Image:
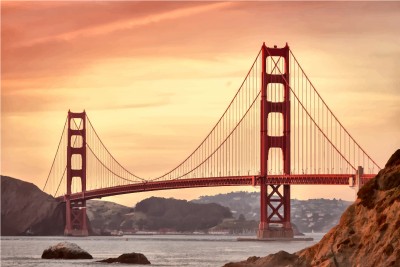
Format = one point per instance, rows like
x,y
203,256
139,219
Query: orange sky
x,y
154,77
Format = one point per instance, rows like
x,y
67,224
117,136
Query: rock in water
x,y
65,250
367,235
131,258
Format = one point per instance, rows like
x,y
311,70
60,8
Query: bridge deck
x,y
306,179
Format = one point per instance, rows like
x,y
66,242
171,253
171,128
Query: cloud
x,y
58,40
146,104
130,23
46,20
30,101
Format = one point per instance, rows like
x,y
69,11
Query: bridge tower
x,y
76,224
277,201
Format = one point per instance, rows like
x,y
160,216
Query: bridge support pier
x,y
275,212
76,224
75,211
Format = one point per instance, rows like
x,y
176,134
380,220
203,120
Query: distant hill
x,y
105,216
180,214
25,209
318,215
155,214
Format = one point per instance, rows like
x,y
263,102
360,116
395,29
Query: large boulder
x,y
65,250
130,258
367,235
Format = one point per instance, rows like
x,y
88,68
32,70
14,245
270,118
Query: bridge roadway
x,y
300,179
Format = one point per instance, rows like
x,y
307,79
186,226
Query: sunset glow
x,y
154,77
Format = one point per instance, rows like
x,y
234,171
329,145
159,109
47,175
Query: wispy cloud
x,y
26,101
58,40
130,23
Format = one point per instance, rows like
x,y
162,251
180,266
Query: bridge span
x,y
334,179
276,132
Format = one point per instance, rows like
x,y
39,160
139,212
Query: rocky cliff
x,y
368,233
25,209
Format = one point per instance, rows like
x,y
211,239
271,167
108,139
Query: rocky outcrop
x,y
25,209
130,258
65,250
368,233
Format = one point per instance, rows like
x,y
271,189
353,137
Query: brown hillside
x,y
24,206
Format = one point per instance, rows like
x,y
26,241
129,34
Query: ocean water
x,y
161,250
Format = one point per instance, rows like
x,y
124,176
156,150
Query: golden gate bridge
x,y
276,132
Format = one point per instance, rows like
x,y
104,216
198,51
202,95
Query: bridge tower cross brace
x,y
276,200
76,223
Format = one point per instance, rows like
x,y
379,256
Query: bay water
x,y
161,250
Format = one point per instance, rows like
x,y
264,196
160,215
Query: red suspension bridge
x,y
276,132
